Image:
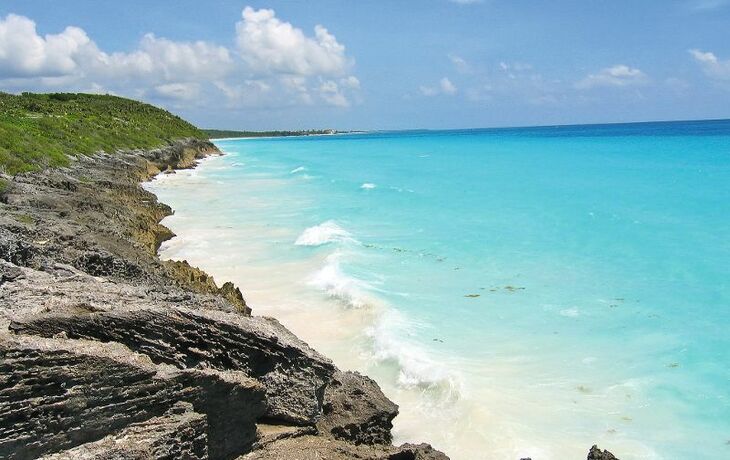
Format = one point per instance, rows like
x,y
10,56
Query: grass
x,y
43,130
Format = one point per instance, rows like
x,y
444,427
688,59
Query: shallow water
x,y
519,292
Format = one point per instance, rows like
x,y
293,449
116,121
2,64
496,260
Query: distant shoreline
x,y
220,134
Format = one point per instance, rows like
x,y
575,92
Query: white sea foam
x,y
368,186
296,170
326,232
352,292
417,369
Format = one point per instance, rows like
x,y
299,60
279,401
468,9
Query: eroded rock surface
x,y
356,410
179,433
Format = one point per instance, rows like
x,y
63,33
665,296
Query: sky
x,y
380,64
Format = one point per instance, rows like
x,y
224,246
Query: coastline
x,y
107,298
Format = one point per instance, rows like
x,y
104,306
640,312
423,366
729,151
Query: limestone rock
x,y
356,410
293,374
56,394
309,447
178,434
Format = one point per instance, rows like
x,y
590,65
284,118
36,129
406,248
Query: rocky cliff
x,y
106,352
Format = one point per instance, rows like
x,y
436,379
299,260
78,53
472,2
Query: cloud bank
x,y
273,63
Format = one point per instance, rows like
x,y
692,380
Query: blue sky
x,y
380,64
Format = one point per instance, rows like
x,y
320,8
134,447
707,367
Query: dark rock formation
x,y
108,353
57,394
356,410
179,433
293,374
309,447
598,454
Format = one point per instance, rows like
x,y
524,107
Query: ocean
x,y
518,292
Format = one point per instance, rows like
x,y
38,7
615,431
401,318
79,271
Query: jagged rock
x,y
105,264
56,394
267,434
598,454
309,447
356,410
232,402
178,434
294,375
197,280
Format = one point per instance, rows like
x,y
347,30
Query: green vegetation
x,y
25,219
220,133
42,130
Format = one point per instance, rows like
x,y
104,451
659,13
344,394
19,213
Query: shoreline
x,y
111,288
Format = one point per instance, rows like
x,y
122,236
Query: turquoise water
x,y
517,291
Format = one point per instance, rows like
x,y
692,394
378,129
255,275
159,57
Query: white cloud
x,y
460,64
72,54
330,92
270,45
616,76
275,64
178,91
445,86
24,53
711,65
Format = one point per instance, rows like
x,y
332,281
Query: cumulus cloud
x,y
711,65
24,53
616,76
270,54
268,44
445,86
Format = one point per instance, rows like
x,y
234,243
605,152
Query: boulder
x,y
356,410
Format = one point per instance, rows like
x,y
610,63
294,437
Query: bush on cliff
x,y
42,130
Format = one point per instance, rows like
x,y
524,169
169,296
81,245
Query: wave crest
x,y
416,367
326,232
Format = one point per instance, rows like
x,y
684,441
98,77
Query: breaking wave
x,y
326,232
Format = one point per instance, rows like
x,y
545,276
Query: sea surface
x,y
518,292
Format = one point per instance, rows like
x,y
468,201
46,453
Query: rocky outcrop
x,y
57,394
179,433
309,447
598,454
356,410
293,375
107,352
